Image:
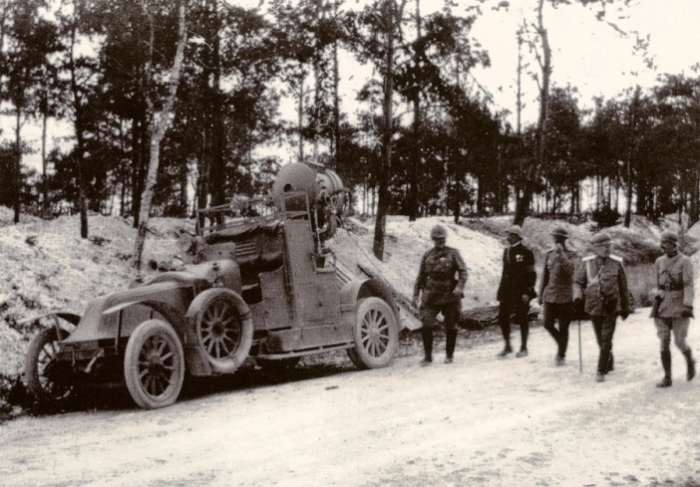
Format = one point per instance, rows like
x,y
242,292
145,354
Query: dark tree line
x,y
420,139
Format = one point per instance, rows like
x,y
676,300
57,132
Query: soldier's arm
x,y
503,276
462,271
580,280
565,262
545,276
688,282
530,272
420,280
624,290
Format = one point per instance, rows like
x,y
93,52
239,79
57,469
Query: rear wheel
x,y
50,382
376,334
154,365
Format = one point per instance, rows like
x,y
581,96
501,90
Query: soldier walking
x,y
601,283
441,279
556,291
673,304
516,289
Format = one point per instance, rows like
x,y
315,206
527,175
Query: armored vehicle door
x,y
314,290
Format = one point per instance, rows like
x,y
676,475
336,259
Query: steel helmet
x,y
669,236
515,230
438,231
560,231
602,238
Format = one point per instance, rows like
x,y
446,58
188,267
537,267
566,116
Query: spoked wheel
x,y
154,365
223,334
50,382
376,334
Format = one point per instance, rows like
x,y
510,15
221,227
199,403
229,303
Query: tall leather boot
x,y
611,364
427,345
666,362
451,339
691,364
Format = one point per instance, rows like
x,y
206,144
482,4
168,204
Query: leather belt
x,y
672,287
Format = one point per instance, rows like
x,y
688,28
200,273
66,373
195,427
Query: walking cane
x,y
580,359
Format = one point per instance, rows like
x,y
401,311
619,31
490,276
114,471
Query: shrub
x,y
605,217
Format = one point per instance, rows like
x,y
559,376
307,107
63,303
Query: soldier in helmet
x,y
600,285
673,304
441,279
516,289
556,291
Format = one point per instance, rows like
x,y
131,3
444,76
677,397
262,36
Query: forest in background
x,y
202,81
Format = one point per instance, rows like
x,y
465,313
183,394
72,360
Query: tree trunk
x,y
79,136
694,195
385,166
417,146
218,161
157,128
536,168
300,117
336,96
631,144
44,123
17,180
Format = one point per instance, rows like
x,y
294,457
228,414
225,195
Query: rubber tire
x,y
201,305
139,393
33,375
359,354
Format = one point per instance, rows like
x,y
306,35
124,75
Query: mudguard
x,y
195,358
355,290
71,318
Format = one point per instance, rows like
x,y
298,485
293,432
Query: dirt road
x,y
480,421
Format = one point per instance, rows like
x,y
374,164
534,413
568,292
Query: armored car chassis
x,y
261,287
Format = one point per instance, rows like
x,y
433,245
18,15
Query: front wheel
x,y
154,365
376,334
49,381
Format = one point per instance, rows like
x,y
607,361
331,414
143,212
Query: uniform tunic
x,y
519,274
602,282
599,278
442,272
558,277
518,279
556,294
675,290
674,279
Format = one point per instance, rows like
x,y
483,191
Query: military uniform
x,y
518,279
672,309
441,278
556,295
602,283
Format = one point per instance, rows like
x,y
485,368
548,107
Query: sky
x,y
587,54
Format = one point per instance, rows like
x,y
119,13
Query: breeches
x,y
562,313
679,327
520,309
604,327
450,311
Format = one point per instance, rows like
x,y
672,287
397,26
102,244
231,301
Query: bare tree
x,y
159,124
535,169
